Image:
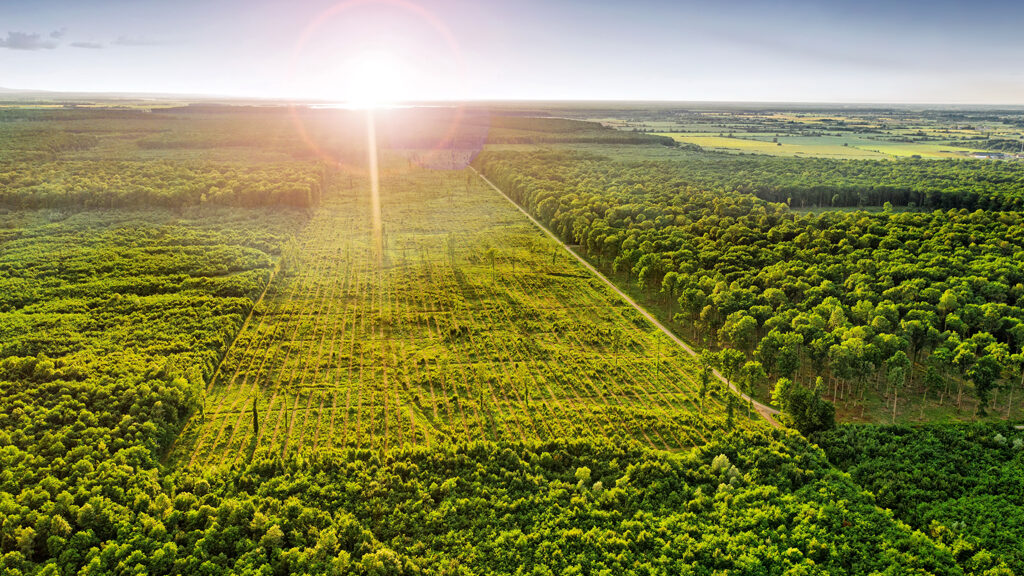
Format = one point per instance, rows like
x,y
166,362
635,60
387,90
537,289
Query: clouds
x,y
135,41
34,41
26,41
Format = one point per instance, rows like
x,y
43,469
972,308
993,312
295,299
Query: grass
x,y
825,146
787,146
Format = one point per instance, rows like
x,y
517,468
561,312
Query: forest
x,y
865,301
939,478
111,184
213,362
755,503
823,183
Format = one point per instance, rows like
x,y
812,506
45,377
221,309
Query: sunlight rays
x,y
374,171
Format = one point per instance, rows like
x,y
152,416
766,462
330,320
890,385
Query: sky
x,y
866,51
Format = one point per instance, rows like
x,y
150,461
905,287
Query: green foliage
x,y
120,184
110,323
752,501
810,413
828,183
838,293
514,129
113,324
951,481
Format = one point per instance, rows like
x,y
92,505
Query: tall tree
x,y
984,373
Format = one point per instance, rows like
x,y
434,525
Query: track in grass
x,y
471,324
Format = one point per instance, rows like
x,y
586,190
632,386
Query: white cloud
x,y
26,41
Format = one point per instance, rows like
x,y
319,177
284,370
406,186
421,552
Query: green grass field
x,y
825,146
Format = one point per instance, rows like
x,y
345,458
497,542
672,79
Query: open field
x,y
473,325
824,146
824,132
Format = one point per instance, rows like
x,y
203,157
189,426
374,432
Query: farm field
x,y
808,131
821,147
472,325
825,146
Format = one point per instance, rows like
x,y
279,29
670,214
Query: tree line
x,y
169,184
831,183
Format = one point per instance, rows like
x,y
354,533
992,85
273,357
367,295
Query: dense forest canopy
x,y
171,184
827,183
857,297
964,478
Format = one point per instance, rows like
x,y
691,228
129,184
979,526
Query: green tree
x,y
752,376
732,360
255,419
739,331
984,373
781,393
809,411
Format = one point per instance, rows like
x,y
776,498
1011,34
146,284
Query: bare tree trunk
x,y
895,400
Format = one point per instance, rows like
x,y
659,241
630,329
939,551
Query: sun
x,y
372,79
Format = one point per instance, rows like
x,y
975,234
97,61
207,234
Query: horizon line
x,y
11,94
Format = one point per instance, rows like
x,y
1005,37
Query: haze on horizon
x,y
942,52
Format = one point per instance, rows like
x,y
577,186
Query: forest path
x,y
766,412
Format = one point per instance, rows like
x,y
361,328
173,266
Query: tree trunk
x,y
895,400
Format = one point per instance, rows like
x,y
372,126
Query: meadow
x,y
814,146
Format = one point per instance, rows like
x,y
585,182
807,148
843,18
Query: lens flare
x,y
372,79
375,212
377,73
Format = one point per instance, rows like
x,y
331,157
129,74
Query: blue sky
x,y
928,52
